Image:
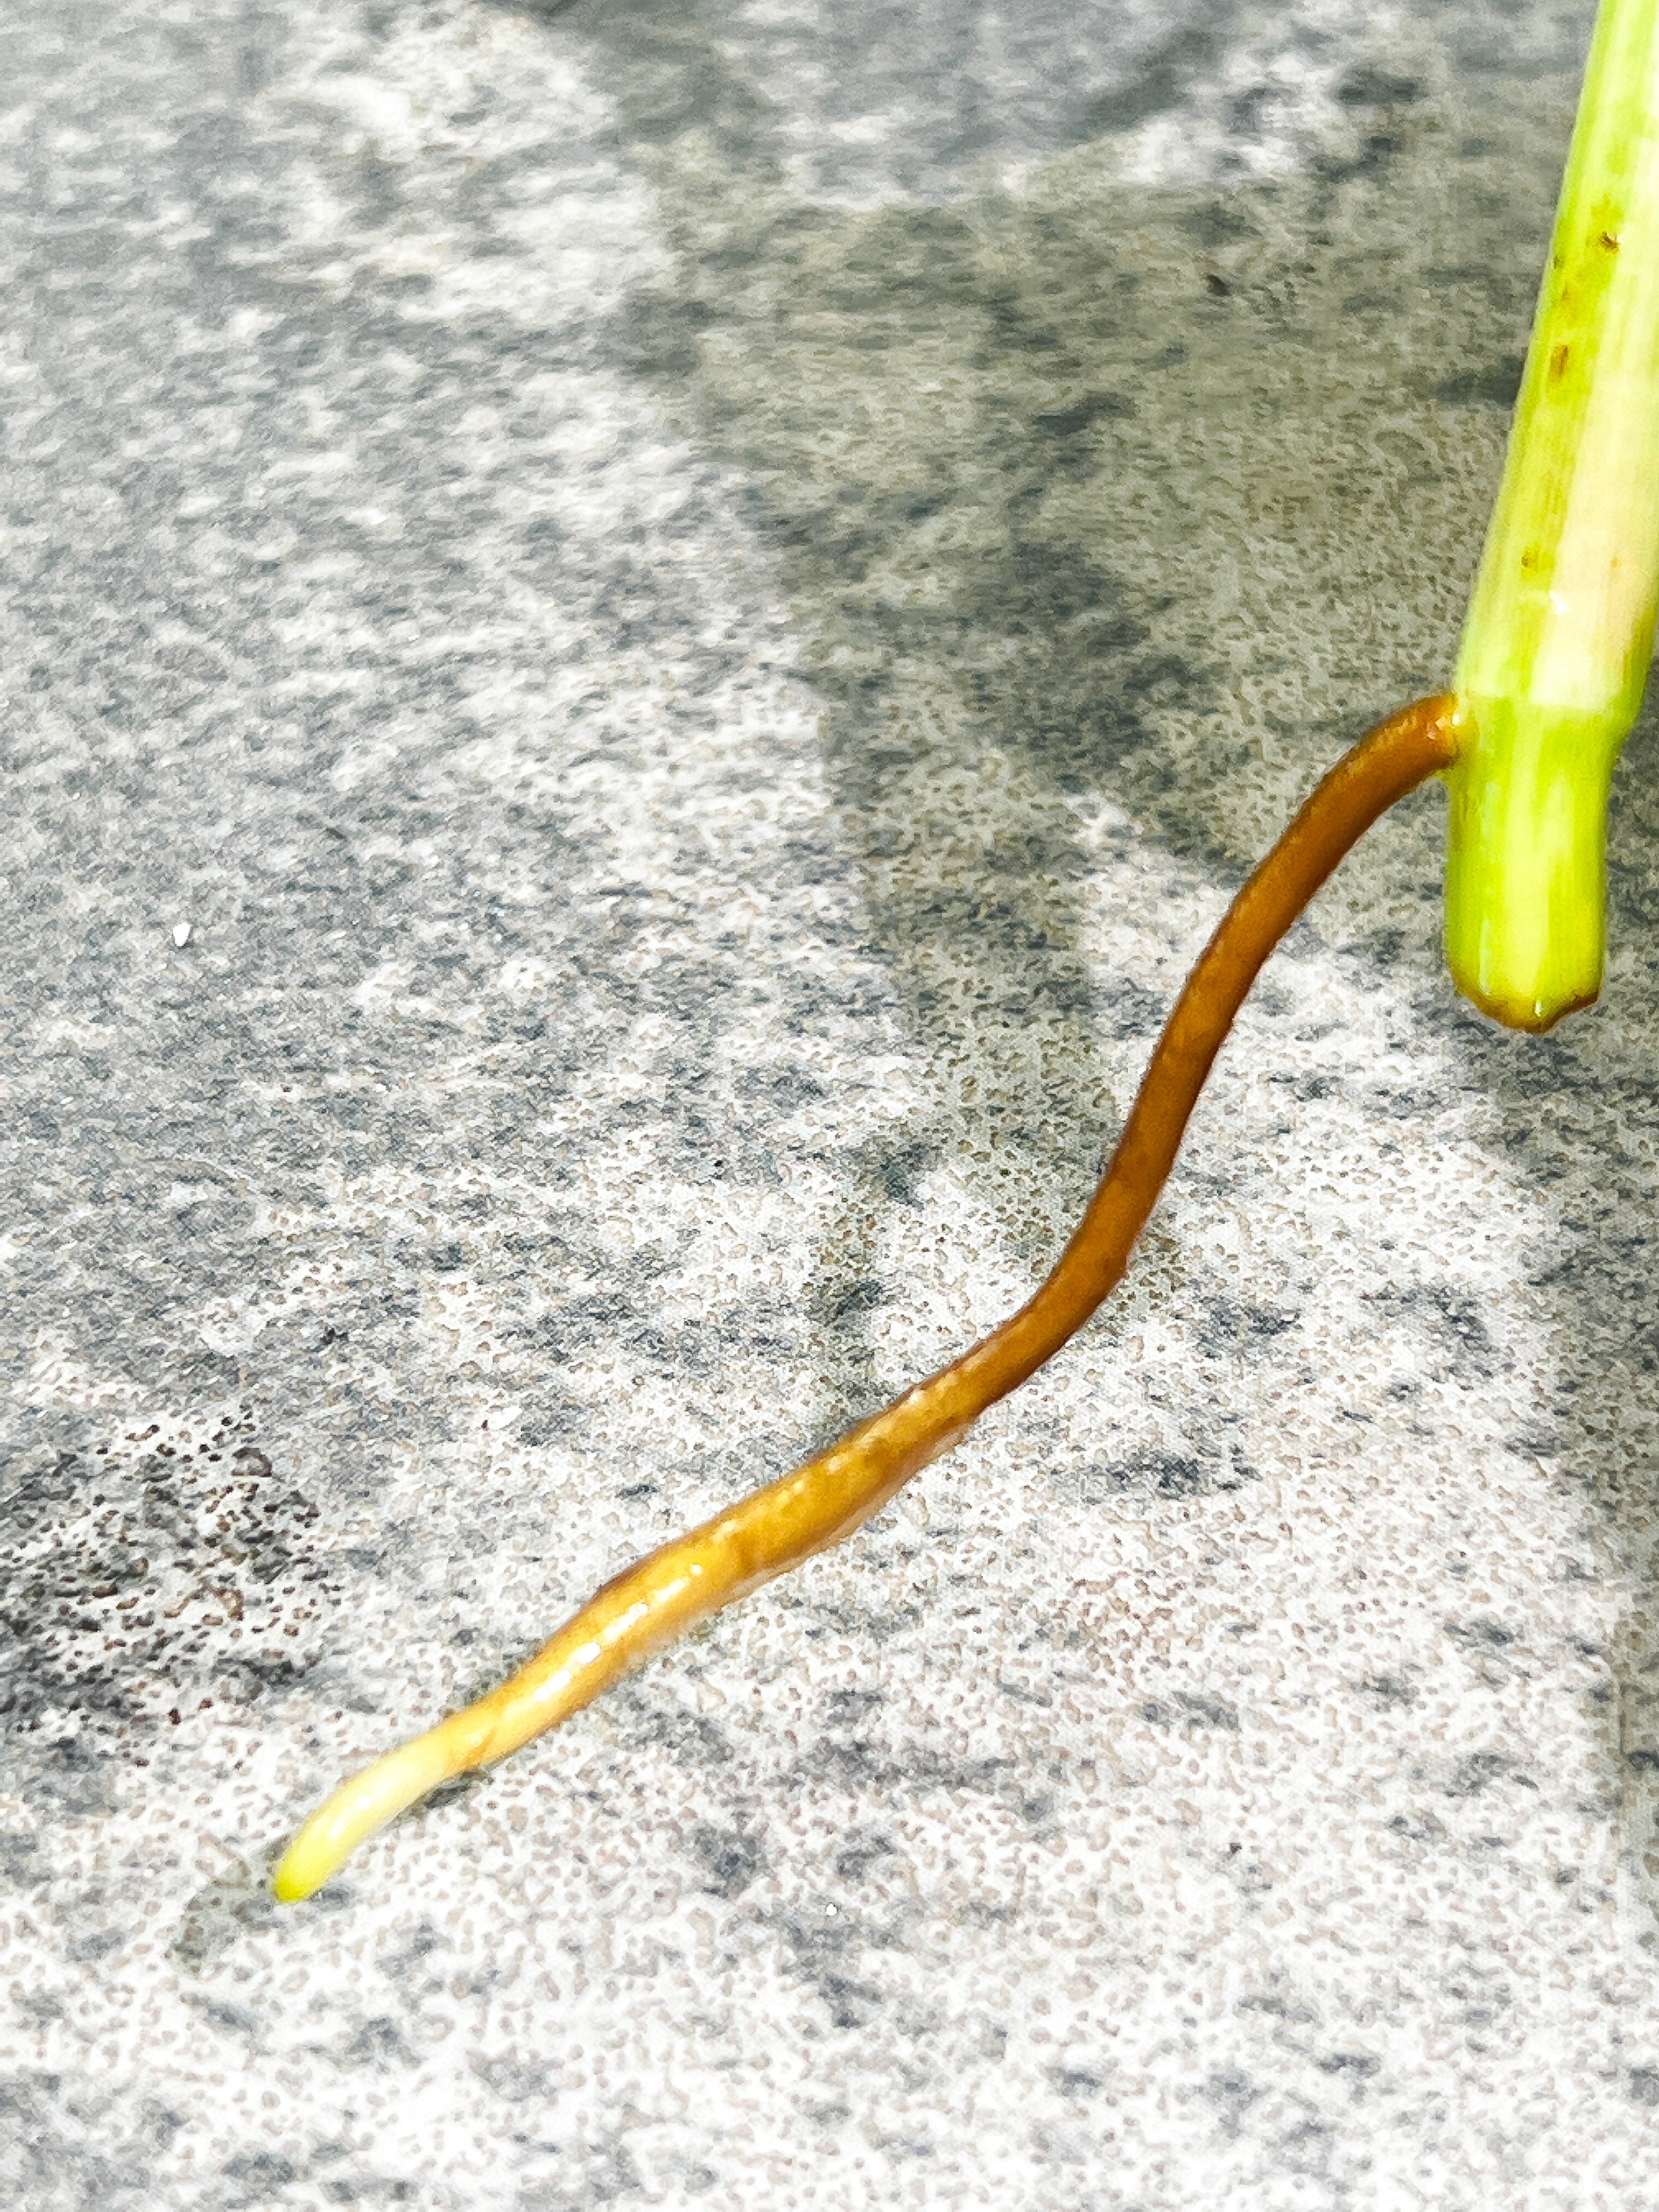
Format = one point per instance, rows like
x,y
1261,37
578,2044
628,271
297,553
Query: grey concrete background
x,y
638,643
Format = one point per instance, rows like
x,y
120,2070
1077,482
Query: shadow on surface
x,y
1079,494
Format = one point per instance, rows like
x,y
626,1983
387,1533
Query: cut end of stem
x,y
1532,1016
1525,859
1555,650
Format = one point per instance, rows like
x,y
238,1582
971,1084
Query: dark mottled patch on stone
x,y
379,2044
1232,2092
592,2174
1158,82
875,1624
515,2080
1217,223
228,2019
66,2143
1495,384
861,1852
1150,1471
1418,1828
1479,1634
1230,2085
846,1708
1278,2006
658,332
860,1298
1025,1694
1477,1772
731,1858
1370,86
411,1949
1247,1874
1192,1707
256,2175
1075,2082
1126,1009
1075,421
459,1786
1304,1089
858,1763
1361,2063
117,1578
822,1947
1482,1996
218,1915
100,1944
1373,160
20,1861
1388,1690
898,1165
648,1717
1451,1327
1233,1325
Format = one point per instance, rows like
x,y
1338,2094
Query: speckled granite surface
x,y
637,644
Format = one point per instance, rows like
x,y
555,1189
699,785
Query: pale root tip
x,y
360,1806
303,1868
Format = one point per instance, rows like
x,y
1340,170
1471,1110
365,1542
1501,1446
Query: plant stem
x,y
1559,632
824,1501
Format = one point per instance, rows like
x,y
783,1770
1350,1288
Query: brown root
x,y
820,1502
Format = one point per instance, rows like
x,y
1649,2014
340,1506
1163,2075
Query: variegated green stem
x,y
1559,632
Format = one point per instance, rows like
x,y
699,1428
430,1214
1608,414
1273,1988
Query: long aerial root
x,y
657,1599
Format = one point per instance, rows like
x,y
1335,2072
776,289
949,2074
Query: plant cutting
x,y
1555,650
1547,682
